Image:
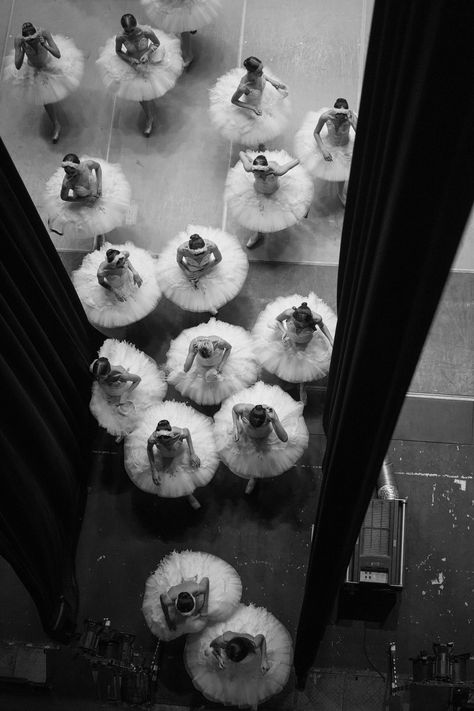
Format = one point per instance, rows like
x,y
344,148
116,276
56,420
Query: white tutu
x,y
307,150
53,82
102,216
243,125
261,458
146,81
295,365
216,288
268,213
241,684
151,388
180,479
100,304
181,15
225,591
201,383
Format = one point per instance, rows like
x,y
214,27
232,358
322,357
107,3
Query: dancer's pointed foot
x,y
254,240
56,132
303,395
194,502
213,312
250,486
148,127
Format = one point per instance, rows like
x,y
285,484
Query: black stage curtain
x,y
47,346
409,197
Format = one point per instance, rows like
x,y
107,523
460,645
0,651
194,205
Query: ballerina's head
x,y
71,163
258,415
238,648
254,66
185,603
260,164
303,316
196,244
29,31
100,368
128,22
116,258
206,348
164,430
344,106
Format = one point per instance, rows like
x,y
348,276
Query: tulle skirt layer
x,y
295,365
90,218
225,591
54,81
203,384
181,15
142,82
241,684
307,150
243,125
215,289
261,458
180,478
269,213
121,420
101,305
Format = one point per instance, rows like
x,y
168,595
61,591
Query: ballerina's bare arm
x,y
274,83
186,435
246,162
19,45
102,273
203,589
119,43
136,276
93,165
243,90
167,605
155,42
352,118
276,424
239,410
49,44
151,453
261,644
225,347
192,353
325,331
316,133
281,318
282,169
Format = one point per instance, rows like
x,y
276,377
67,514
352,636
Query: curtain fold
x,y
409,198
47,345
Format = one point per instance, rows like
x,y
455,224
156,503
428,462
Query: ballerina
x,y
202,268
263,113
188,591
122,392
329,159
161,458
295,342
208,368
117,286
182,17
243,661
259,200
140,64
53,69
257,440
87,196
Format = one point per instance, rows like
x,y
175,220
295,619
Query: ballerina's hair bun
x,y
238,648
252,63
128,21
196,242
28,28
163,425
100,366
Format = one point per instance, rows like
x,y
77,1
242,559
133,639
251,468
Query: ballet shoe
x,y
213,312
148,128
253,241
56,133
250,486
194,504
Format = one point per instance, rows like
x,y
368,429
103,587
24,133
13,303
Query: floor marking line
x,y
107,153
433,475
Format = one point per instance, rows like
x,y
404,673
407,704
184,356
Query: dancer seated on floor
x,y
298,326
252,86
168,441
257,422
188,599
118,275
115,382
212,353
197,257
236,647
